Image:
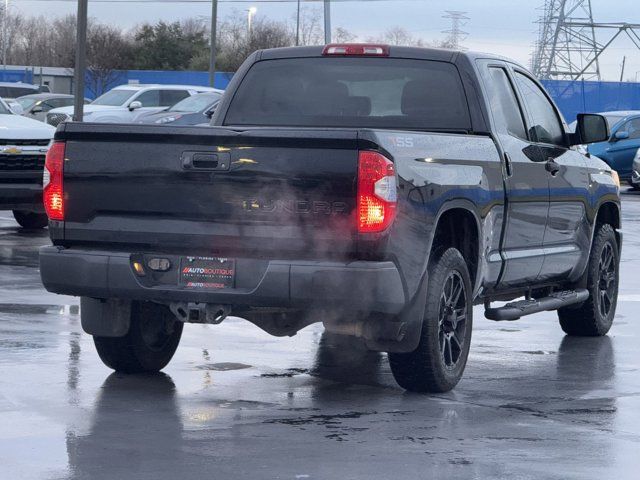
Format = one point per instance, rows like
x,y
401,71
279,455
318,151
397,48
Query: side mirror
x,y
135,105
16,108
37,109
590,128
621,135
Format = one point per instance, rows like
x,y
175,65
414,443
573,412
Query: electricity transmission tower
x,y
455,35
567,48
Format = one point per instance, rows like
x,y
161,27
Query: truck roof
x,y
418,53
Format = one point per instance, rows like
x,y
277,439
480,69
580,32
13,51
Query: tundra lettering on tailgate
x,y
294,206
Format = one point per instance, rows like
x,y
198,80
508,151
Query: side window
x,y
632,127
504,104
150,98
168,98
545,127
60,102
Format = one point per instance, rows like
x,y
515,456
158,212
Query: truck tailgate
x,y
211,190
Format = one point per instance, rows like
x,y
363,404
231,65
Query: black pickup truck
x,y
380,190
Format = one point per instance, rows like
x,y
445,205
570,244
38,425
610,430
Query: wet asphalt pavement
x,y
236,403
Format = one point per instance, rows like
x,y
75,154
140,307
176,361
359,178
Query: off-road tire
x,y
426,369
593,318
153,337
30,220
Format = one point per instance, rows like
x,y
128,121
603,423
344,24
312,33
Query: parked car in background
x,y
619,150
126,103
635,174
37,105
23,145
11,90
194,110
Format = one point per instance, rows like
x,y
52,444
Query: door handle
x,y
219,161
552,167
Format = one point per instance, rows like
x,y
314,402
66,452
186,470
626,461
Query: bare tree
x,y
42,41
342,35
398,36
108,53
311,26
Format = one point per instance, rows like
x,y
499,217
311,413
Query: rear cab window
x,y
351,92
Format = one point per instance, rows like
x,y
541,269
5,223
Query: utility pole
x,y
81,61
327,21
214,33
624,60
455,34
567,48
5,34
298,26
250,13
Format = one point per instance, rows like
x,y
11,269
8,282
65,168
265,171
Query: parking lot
x,y
237,403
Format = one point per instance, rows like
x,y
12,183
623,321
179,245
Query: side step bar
x,y
515,310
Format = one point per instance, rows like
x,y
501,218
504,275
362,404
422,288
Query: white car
x,y
23,146
124,104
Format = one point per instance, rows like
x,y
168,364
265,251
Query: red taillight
x,y
53,190
377,195
356,49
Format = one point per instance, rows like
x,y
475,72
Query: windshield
x,y
114,98
26,103
196,103
13,92
352,92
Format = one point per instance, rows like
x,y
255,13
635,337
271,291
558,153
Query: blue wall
x,y
163,77
581,97
25,76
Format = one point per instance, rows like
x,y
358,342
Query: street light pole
x,y
251,12
214,32
5,34
327,21
81,61
298,26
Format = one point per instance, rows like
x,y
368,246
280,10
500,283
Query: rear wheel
x,y
153,337
30,220
437,364
595,316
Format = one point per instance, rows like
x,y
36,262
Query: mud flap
x,y
105,318
409,321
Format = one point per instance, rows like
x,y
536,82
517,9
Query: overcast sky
x,y
505,27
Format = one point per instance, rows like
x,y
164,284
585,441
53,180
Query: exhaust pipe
x,y
369,329
207,313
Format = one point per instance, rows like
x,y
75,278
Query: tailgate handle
x,y
206,161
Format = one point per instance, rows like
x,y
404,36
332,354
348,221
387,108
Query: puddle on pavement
x,y
290,372
26,309
224,366
537,352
